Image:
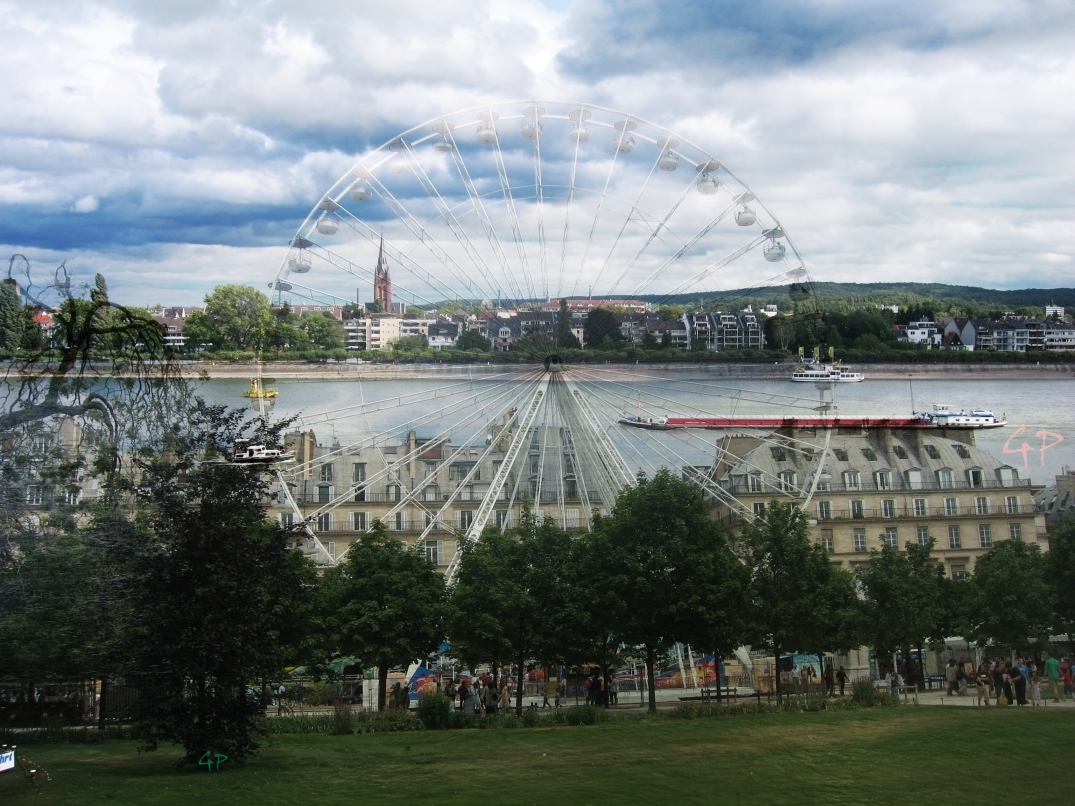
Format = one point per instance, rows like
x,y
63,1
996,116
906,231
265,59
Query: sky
x,y
173,146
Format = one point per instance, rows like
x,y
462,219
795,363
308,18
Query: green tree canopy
x,y
601,328
236,317
323,330
513,596
1060,573
801,602
659,571
473,340
384,605
1012,601
11,320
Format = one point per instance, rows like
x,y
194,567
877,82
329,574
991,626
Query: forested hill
x,y
904,294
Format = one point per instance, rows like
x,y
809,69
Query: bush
x,y
530,718
434,710
585,715
343,722
864,693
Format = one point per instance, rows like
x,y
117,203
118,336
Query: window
x,y
358,472
883,479
754,481
931,451
959,572
434,552
571,519
944,479
951,506
981,505
984,536
826,541
914,479
900,451
1015,531
324,522
430,493
331,549
824,510
779,454
870,454
33,495
962,451
921,508
460,470
360,494
1012,504
431,468
286,519
860,540
923,535
850,479
759,509
501,519
974,476
888,508
841,454
953,538
393,492
466,518
324,494
360,521
787,480
326,472
892,537
857,510
73,496
400,521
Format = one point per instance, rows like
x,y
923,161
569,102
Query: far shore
x,y
758,371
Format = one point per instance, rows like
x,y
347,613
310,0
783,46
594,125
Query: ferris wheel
x,y
485,219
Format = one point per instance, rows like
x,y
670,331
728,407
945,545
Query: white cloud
x,y
927,142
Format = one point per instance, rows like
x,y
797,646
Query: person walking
x,y
1018,683
985,682
1052,673
1035,689
828,678
951,675
505,695
841,678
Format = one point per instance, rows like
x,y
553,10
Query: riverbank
x,y
759,371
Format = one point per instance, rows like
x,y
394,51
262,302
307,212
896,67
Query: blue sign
x,y
7,760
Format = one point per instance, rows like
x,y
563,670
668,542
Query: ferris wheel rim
x,y
340,186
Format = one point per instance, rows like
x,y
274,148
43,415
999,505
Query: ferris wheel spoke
x,y
627,127
478,205
538,189
453,224
671,260
513,215
512,394
424,236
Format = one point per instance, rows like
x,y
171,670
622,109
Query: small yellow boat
x,y
258,390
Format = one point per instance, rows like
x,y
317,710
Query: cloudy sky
x,y
177,145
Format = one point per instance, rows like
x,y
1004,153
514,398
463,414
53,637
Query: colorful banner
x,y
422,682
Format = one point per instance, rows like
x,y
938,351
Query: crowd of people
x,y
1022,682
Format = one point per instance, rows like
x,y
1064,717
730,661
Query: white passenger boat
x,y
809,373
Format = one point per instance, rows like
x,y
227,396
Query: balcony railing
x,y
896,486
932,513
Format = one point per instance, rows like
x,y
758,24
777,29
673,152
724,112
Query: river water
x,y
1039,440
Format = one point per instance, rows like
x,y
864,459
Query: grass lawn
x,y
905,755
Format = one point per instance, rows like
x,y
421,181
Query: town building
x,y
443,334
1057,501
878,485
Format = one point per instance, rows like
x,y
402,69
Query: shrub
x,y
864,693
343,723
585,715
434,711
530,718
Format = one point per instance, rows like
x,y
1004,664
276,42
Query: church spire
x,y
382,280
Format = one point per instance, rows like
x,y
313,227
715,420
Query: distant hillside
x,y
905,294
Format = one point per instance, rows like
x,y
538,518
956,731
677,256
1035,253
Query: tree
x,y
512,596
323,330
670,313
801,602
220,599
903,598
410,344
1011,600
1060,573
565,339
666,339
649,341
385,605
236,317
473,340
601,327
11,321
659,571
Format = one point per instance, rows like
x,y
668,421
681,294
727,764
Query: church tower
x,y
382,280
